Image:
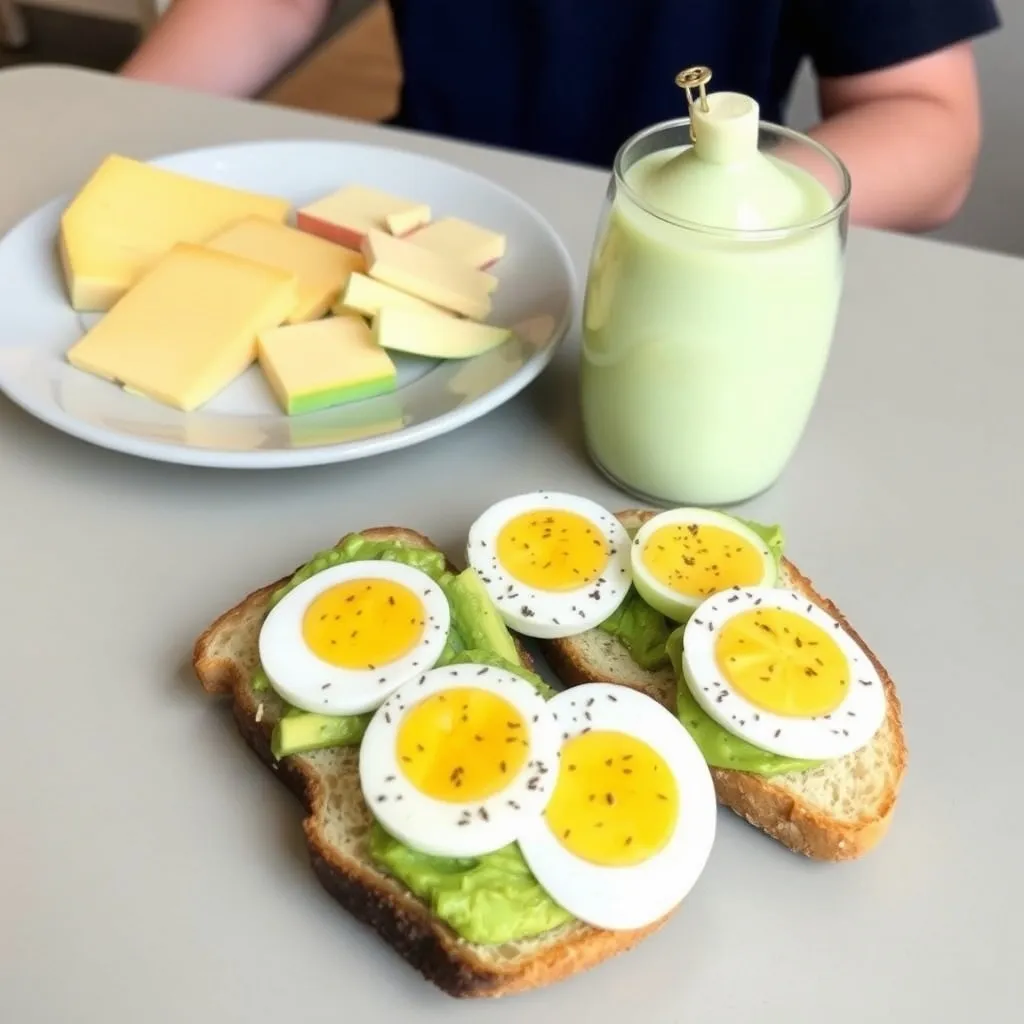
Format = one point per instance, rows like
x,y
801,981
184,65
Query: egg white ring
x,y
843,731
549,615
628,897
309,683
671,603
474,827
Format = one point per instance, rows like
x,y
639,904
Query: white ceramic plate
x,y
242,427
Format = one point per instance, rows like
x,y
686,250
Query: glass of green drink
x,y
711,302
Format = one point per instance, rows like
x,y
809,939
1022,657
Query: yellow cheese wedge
x,y
426,275
322,268
460,240
129,214
367,297
347,215
422,334
189,327
324,363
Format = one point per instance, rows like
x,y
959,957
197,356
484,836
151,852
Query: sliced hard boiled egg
x,y
459,759
631,822
683,556
776,670
554,564
344,640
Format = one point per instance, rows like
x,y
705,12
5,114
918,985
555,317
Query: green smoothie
x,y
703,351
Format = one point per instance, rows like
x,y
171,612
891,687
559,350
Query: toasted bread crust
x,y
402,920
766,806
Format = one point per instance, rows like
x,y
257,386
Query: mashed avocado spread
x,y
654,643
489,899
721,749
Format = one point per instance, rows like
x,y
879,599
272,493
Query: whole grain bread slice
x,y
836,811
338,822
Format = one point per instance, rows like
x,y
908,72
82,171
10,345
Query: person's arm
x,y
230,47
909,136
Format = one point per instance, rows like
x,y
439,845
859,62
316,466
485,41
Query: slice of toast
x,y
338,823
836,811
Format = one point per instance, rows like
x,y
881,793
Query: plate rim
x,y
317,455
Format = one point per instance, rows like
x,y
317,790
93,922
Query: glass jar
x,y
704,345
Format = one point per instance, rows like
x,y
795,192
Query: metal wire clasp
x,y
690,79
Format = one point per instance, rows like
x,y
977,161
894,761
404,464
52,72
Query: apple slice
x,y
460,240
426,334
348,215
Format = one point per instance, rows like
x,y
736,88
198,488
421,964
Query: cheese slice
x,y
422,334
189,327
460,240
367,297
322,268
324,363
420,272
129,214
349,214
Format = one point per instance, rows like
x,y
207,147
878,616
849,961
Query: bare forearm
x,y
910,173
230,47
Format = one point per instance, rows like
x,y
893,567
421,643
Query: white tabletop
x,y
151,870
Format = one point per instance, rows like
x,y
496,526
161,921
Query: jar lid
x,y
724,180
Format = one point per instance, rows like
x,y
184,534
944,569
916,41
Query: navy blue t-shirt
x,y
575,78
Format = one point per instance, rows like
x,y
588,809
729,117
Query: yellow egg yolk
x,y
783,663
698,560
551,549
615,802
462,744
364,623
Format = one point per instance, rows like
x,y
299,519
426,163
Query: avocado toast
x,y
475,926
829,795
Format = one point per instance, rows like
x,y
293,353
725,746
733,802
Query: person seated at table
x,y
572,79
